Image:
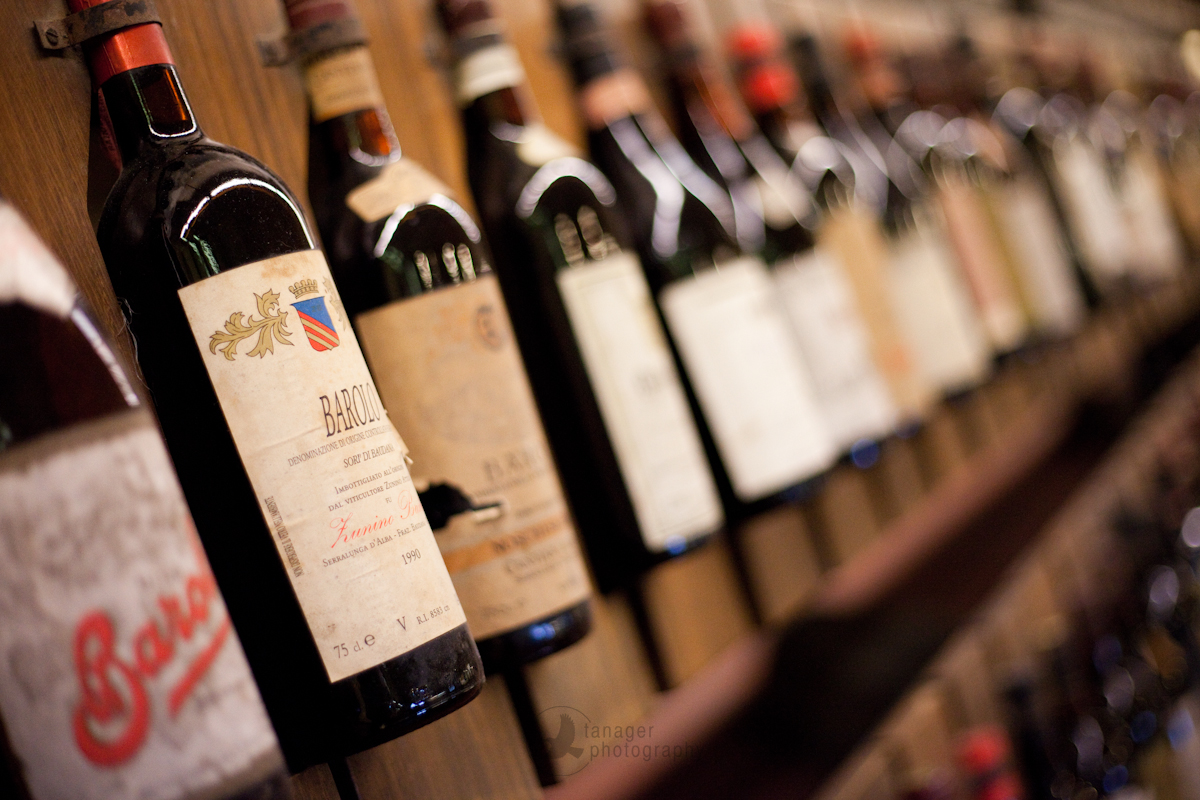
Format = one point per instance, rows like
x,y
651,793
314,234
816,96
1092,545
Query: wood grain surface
x,y
696,606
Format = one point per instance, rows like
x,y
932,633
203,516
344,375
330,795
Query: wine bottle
x,y
924,335
1158,243
293,471
955,189
754,393
776,217
1177,136
413,271
1016,196
120,674
611,398
1086,190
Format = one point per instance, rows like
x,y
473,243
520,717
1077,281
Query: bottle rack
x,y
716,625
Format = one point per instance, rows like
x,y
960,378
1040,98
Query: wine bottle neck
x,y
147,107
490,81
704,89
346,103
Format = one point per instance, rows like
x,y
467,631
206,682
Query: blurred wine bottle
x,y
960,159
753,391
1026,235
775,215
614,406
924,333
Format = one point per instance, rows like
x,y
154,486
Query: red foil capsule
x,y
114,53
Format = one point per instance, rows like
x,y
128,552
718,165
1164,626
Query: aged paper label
x,y
324,459
935,313
488,70
343,82
749,377
401,183
1031,228
120,675
641,399
982,262
853,236
452,380
820,305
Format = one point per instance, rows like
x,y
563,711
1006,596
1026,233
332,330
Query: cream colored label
x,y
453,382
852,234
820,305
324,459
1052,292
401,183
982,264
1092,210
749,377
641,399
1159,252
935,314
341,83
120,675
488,70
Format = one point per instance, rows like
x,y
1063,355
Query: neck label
x,y
342,82
488,70
401,183
324,460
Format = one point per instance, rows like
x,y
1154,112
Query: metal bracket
x,y
108,17
299,45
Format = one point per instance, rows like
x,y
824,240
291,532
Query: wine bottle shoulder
x,y
205,207
418,248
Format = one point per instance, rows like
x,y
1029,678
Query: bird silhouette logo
x,y
564,747
564,742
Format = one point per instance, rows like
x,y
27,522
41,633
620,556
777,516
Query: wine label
x,y
1092,210
342,82
401,183
121,677
833,339
935,313
852,234
1159,248
749,377
487,70
641,400
982,262
1052,293
324,459
467,411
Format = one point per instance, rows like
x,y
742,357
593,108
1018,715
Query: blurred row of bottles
x,y
708,322
1080,678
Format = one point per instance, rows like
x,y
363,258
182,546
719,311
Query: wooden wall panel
x,y
44,112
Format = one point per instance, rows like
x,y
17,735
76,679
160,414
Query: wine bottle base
x,y
536,640
407,693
